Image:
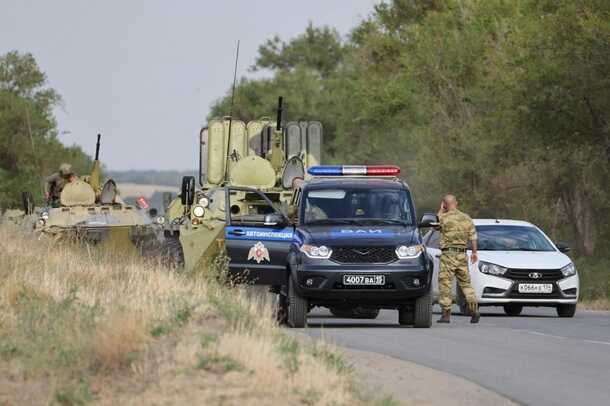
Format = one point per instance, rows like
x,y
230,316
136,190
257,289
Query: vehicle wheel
x,y
297,306
513,309
172,254
355,313
406,316
281,312
566,310
461,301
423,312
27,201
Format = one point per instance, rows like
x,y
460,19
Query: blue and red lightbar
x,y
354,170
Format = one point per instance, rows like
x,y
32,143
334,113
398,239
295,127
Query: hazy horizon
x,y
145,73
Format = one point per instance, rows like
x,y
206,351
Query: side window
x,y
432,239
249,208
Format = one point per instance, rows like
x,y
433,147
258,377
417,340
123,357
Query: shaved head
x,y
450,201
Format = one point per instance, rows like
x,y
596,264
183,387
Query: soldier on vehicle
x,y
56,182
457,229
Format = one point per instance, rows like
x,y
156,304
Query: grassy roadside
x,y
594,283
80,326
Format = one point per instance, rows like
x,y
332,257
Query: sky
x,y
144,73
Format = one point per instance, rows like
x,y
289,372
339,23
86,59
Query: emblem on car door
x,y
535,275
259,253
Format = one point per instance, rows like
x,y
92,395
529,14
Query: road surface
x,y
536,358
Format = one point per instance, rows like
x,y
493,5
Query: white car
x,y
518,266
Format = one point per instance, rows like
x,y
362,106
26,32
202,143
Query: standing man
x,y
457,229
55,183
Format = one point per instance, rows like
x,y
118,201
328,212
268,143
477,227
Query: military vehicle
x,y
96,214
246,173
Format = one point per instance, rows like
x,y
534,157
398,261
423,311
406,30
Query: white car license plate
x,y
535,288
364,280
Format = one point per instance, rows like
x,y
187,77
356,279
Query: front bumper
x,y
494,290
321,281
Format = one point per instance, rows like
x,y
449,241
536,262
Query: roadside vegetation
x,y
504,103
78,325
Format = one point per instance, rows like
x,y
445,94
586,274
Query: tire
x,y
513,309
423,312
461,301
355,313
281,312
406,316
172,253
297,306
27,202
566,310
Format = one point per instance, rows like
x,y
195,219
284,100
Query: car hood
x,y
526,259
341,235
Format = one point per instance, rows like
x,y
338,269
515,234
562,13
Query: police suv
x,y
352,245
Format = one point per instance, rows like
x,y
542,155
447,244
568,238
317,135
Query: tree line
x,y
505,103
29,147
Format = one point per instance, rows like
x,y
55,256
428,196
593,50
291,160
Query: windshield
x,y
512,238
358,206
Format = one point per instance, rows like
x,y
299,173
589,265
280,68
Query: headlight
x,y
198,211
321,252
204,202
404,252
568,270
160,220
491,269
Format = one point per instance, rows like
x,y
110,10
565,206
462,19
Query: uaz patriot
x,y
351,243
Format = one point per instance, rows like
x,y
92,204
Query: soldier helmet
x,y
65,170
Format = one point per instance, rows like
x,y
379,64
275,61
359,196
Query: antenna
x,y
231,111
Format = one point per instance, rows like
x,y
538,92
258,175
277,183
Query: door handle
x,y
237,232
438,255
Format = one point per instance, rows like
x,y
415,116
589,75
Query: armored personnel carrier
x,y
247,172
96,214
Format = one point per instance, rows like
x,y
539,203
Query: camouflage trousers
x,y
455,264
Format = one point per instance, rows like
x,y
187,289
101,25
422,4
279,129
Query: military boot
x,y
474,313
445,317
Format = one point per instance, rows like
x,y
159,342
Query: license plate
x,y
365,280
535,288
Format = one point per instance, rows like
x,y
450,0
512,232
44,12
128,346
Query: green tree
x,y
29,147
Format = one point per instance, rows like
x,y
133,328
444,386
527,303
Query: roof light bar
x,y
354,170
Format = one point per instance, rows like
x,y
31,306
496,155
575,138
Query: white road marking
x,y
537,333
547,335
597,342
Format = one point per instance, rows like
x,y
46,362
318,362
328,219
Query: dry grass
x,y
78,325
595,304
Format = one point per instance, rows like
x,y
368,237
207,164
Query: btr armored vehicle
x,y
352,245
96,214
247,171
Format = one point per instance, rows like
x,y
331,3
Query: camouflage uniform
x,y
457,229
54,184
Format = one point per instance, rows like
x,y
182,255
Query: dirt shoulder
x,y
410,383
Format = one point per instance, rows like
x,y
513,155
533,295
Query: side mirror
x,y
562,247
429,220
274,220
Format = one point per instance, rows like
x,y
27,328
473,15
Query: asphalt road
x,y
536,358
